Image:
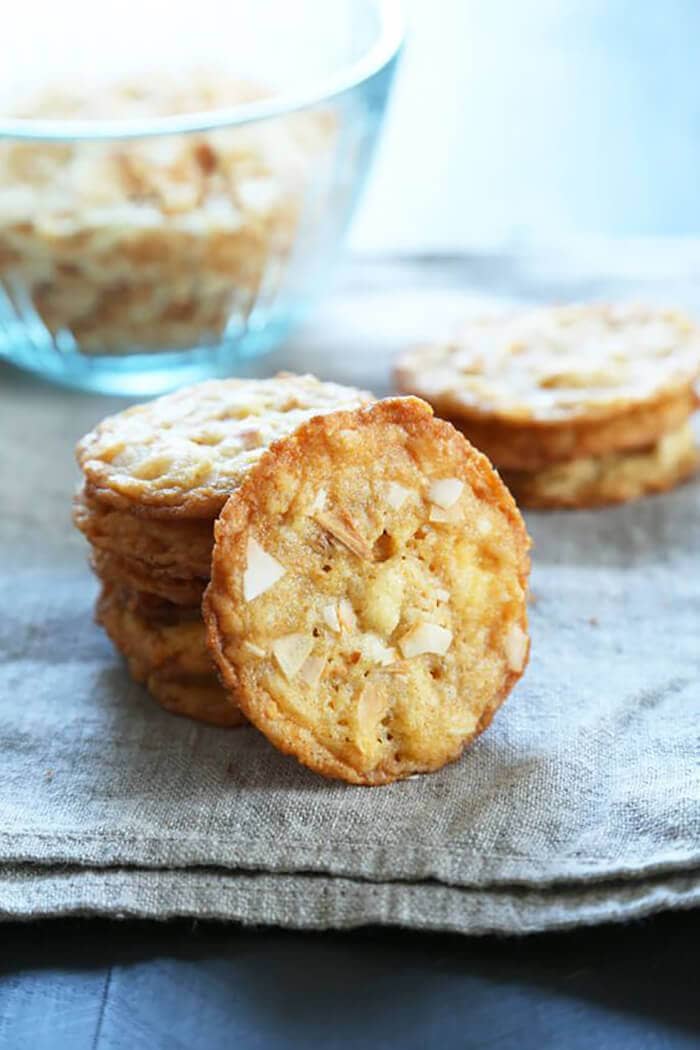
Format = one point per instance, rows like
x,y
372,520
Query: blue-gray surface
x,y
99,986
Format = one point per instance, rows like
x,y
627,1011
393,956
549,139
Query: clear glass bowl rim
x,y
383,49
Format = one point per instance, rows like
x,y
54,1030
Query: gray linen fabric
x,y
580,804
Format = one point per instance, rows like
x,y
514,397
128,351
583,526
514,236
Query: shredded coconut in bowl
x,y
154,243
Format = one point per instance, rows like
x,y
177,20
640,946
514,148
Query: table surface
x,y
108,984
98,985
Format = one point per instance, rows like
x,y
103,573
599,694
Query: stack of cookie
x,y
155,478
577,406
367,603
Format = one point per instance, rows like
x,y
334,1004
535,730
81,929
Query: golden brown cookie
x,y
168,654
538,386
367,602
613,478
177,646
137,575
528,447
199,697
180,548
182,455
153,608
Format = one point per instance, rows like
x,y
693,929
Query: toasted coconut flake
x,y
312,669
261,572
344,531
425,638
516,647
445,492
346,615
371,705
319,502
371,709
254,649
397,495
291,651
484,525
373,648
330,617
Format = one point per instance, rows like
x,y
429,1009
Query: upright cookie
x,y
182,455
367,602
540,386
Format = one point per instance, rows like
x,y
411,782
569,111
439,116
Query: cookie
x,y
177,647
367,605
613,478
168,655
180,548
137,575
200,698
153,608
182,455
535,447
542,385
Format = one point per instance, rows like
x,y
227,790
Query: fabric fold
x,y
317,902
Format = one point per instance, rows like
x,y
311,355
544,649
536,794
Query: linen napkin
x,y
580,804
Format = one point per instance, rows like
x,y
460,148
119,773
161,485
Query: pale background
x,y
522,120
513,121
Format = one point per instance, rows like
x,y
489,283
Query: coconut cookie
x,y
182,455
165,649
180,548
542,388
198,697
138,575
152,643
535,447
552,368
367,600
613,478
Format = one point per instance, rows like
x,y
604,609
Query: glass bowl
x,y
164,227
